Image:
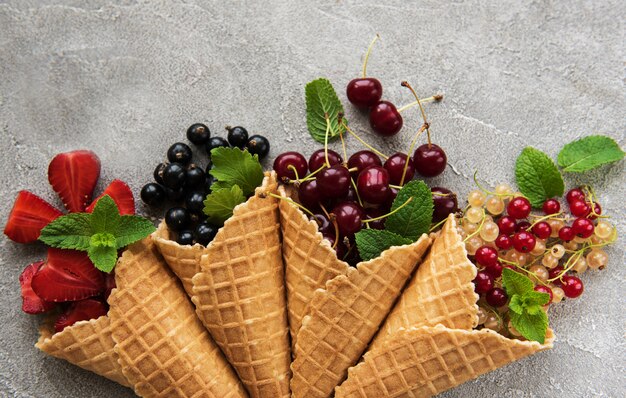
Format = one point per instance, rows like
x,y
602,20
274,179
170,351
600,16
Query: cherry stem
x,y
326,138
440,223
343,146
434,98
356,191
395,186
367,54
371,148
409,200
295,171
407,85
411,147
331,218
477,229
293,202
311,175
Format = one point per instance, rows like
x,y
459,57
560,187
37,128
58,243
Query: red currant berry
x,y
504,242
554,273
507,225
385,118
542,230
597,210
494,270
364,92
333,182
362,160
583,227
575,195
518,208
522,226
483,282
566,234
395,166
318,159
285,163
429,160
486,255
496,297
524,242
373,185
578,208
551,206
445,202
349,218
544,289
572,286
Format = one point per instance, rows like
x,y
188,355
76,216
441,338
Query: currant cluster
x,y
552,248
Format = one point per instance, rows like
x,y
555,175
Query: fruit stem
x,y
367,54
295,171
411,147
407,85
540,219
293,202
331,218
434,98
409,200
440,223
477,229
488,192
326,139
311,175
395,186
371,148
343,147
356,191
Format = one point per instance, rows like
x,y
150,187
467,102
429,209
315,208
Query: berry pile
x,y
551,248
186,185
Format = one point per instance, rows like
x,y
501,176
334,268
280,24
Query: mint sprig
x,y
219,205
372,242
525,305
322,102
101,233
232,166
537,176
589,153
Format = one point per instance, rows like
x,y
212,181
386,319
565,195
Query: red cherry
x,y
364,92
542,230
506,225
372,212
483,282
362,160
495,270
583,227
309,195
445,202
486,256
429,160
572,286
395,166
334,182
544,289
504,242
385,118
575,195
373,185
518,208
551,206
496,297
285,163
349,218
524,242
578,208
393,192
318,159
566,234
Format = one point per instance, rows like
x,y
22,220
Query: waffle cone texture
x,y
427,344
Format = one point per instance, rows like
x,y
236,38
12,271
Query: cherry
x,y
544,289
318,159
572,286
575,195
542,230
285,163
486,256
483,282
522,226
518,208
349,218
578,208
385,119
445,202
583,227
504,242
551,206
566,234
364,92
373,212
496,297
373,185
429,160
395,165
506,225
362,160
323,224
333,182
495,270
309,195
393,193
351,196
524,242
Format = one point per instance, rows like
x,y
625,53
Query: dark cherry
x,y
385,119
445,202
362,160
364,92
373,185
373,212
429,160
309,195
318,159
285,163
395,167
333,182
393,193
323,224
349,218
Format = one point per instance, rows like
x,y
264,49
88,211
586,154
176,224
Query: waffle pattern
x,y
310,261
87,344
440,292
240,295
162,346
425,361
343,318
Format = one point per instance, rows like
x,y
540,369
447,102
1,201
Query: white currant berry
x,y
540,272
470,227
556,226
489,232
557,294
474,215
580,265
503,189
571,245
472,244
512,330
482,315
540,247
492,323
494,205
476,198
603,230
597,259
516,257
549,261
557,251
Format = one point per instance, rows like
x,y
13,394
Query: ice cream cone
x,y
163,348
342,318
240,295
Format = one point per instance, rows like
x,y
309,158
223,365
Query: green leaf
x,y
516,304
537,176
589,153
533,309
415,218
132,229
102,239
536,298
322,100
372,242
516,283
103,257
232,166
219,205
531,326
71,231
106,216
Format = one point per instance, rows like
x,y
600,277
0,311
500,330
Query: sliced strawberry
x,y
73,175
83,310
121,194
31,303
67,275
29,215
109,284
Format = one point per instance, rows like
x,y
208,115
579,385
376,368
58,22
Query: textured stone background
x,y
126,78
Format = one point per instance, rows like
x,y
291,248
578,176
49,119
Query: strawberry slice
x,y
29,215
73,175
31,303
67,275
119,191
83,310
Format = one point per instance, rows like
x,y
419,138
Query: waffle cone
x,y
342,318
240,295
310,261
440,292
163,349
425,361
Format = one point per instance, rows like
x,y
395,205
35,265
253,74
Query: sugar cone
x,y
240,295
440,292
310,261
342,318
162,346
87,344
425,361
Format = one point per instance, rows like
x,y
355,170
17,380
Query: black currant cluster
x,y
186,185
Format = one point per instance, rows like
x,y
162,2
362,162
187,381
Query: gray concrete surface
x,y
126,78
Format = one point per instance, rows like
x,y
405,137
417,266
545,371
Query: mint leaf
x,y
536,298
516,304
537,176
322,100
589,153
102,239
531,326
232,166
516,283
533,309
414,219
131,229
219,205
106,216
71,231
103,257
372,242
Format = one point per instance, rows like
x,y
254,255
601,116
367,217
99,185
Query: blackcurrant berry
x,y
174,176
158,173
177,218
373,185
216,142
445,202
185,238
237,136
195,176
385,118
290,166
395,166
198,133
362,160
175,195
318,159
179,153
258,145
429,160
364,92
153,194
205,233
195,201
